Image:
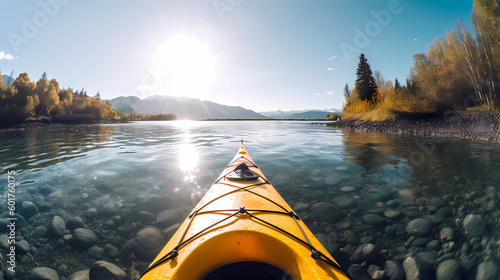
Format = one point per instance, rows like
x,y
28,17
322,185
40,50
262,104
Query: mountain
x,y
301,114
182,107
7,80
310,115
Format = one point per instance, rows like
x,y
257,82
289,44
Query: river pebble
x,y
79,275
419,227
475,225
84,238
29,209
102,270
365,252
95,253
394,271
57,226
358,272
149,243
43,273
487,271
373,220
449,270
169,217
415,268
75,222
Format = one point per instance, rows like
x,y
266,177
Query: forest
x,y
460,71
25,100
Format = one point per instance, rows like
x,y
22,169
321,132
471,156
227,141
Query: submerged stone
x,y
79,275
102,270
43,273
475,225
449,270
419,227
57,226
84,237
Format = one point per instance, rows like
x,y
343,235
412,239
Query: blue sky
x,y
261,55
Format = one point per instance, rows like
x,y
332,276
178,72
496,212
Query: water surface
x,y
337,182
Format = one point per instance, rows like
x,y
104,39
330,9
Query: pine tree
x,y
365,83
397,85
347,91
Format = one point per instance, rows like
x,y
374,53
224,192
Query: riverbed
x,y
381,204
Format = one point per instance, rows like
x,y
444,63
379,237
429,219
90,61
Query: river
x,y
374,200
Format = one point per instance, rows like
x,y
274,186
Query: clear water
x,y
120,169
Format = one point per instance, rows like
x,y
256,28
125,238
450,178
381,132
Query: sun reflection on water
x,y
188,158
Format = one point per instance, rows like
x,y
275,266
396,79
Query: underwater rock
x,y
84,237
419,227
57,226
102,270
43,273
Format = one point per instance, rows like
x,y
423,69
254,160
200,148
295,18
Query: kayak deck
x,y
243,225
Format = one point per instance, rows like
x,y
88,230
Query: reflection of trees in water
x,y
45,147
438,166
368,150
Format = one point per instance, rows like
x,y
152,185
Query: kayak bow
x,y
243,229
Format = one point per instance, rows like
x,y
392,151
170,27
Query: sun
x,y
186,67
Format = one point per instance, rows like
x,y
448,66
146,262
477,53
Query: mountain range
x,y
7,80
301,114
192,108
182,107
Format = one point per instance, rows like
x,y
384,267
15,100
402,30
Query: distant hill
x,y
300,114
7,80
310,115
182,107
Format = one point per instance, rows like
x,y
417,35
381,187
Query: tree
x,y
365,83
347,91
397,86
1,80
379,79
97,96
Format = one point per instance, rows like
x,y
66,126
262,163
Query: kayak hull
x,y
243,221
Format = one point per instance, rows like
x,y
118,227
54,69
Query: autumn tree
x,y
365,83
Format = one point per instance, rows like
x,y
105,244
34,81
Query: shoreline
x,y
32,125
474,125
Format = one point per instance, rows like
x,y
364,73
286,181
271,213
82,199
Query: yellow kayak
x,y
243,229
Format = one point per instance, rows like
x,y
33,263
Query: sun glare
x,y
186,65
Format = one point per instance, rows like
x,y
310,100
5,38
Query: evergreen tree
x,y
397,86
1,80
365,83
347,91
97,96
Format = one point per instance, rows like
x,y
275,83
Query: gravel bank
x,y
468,124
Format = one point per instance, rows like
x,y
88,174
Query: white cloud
x,y
333,57
329,92
330,68
6,56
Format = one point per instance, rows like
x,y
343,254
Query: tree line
x,y
459,71
26,100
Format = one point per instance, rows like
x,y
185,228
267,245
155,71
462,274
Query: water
x,y
350,188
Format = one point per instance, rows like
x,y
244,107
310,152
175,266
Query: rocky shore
x,y
465,124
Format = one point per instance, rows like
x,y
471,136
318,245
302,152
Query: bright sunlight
x,y
187,67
